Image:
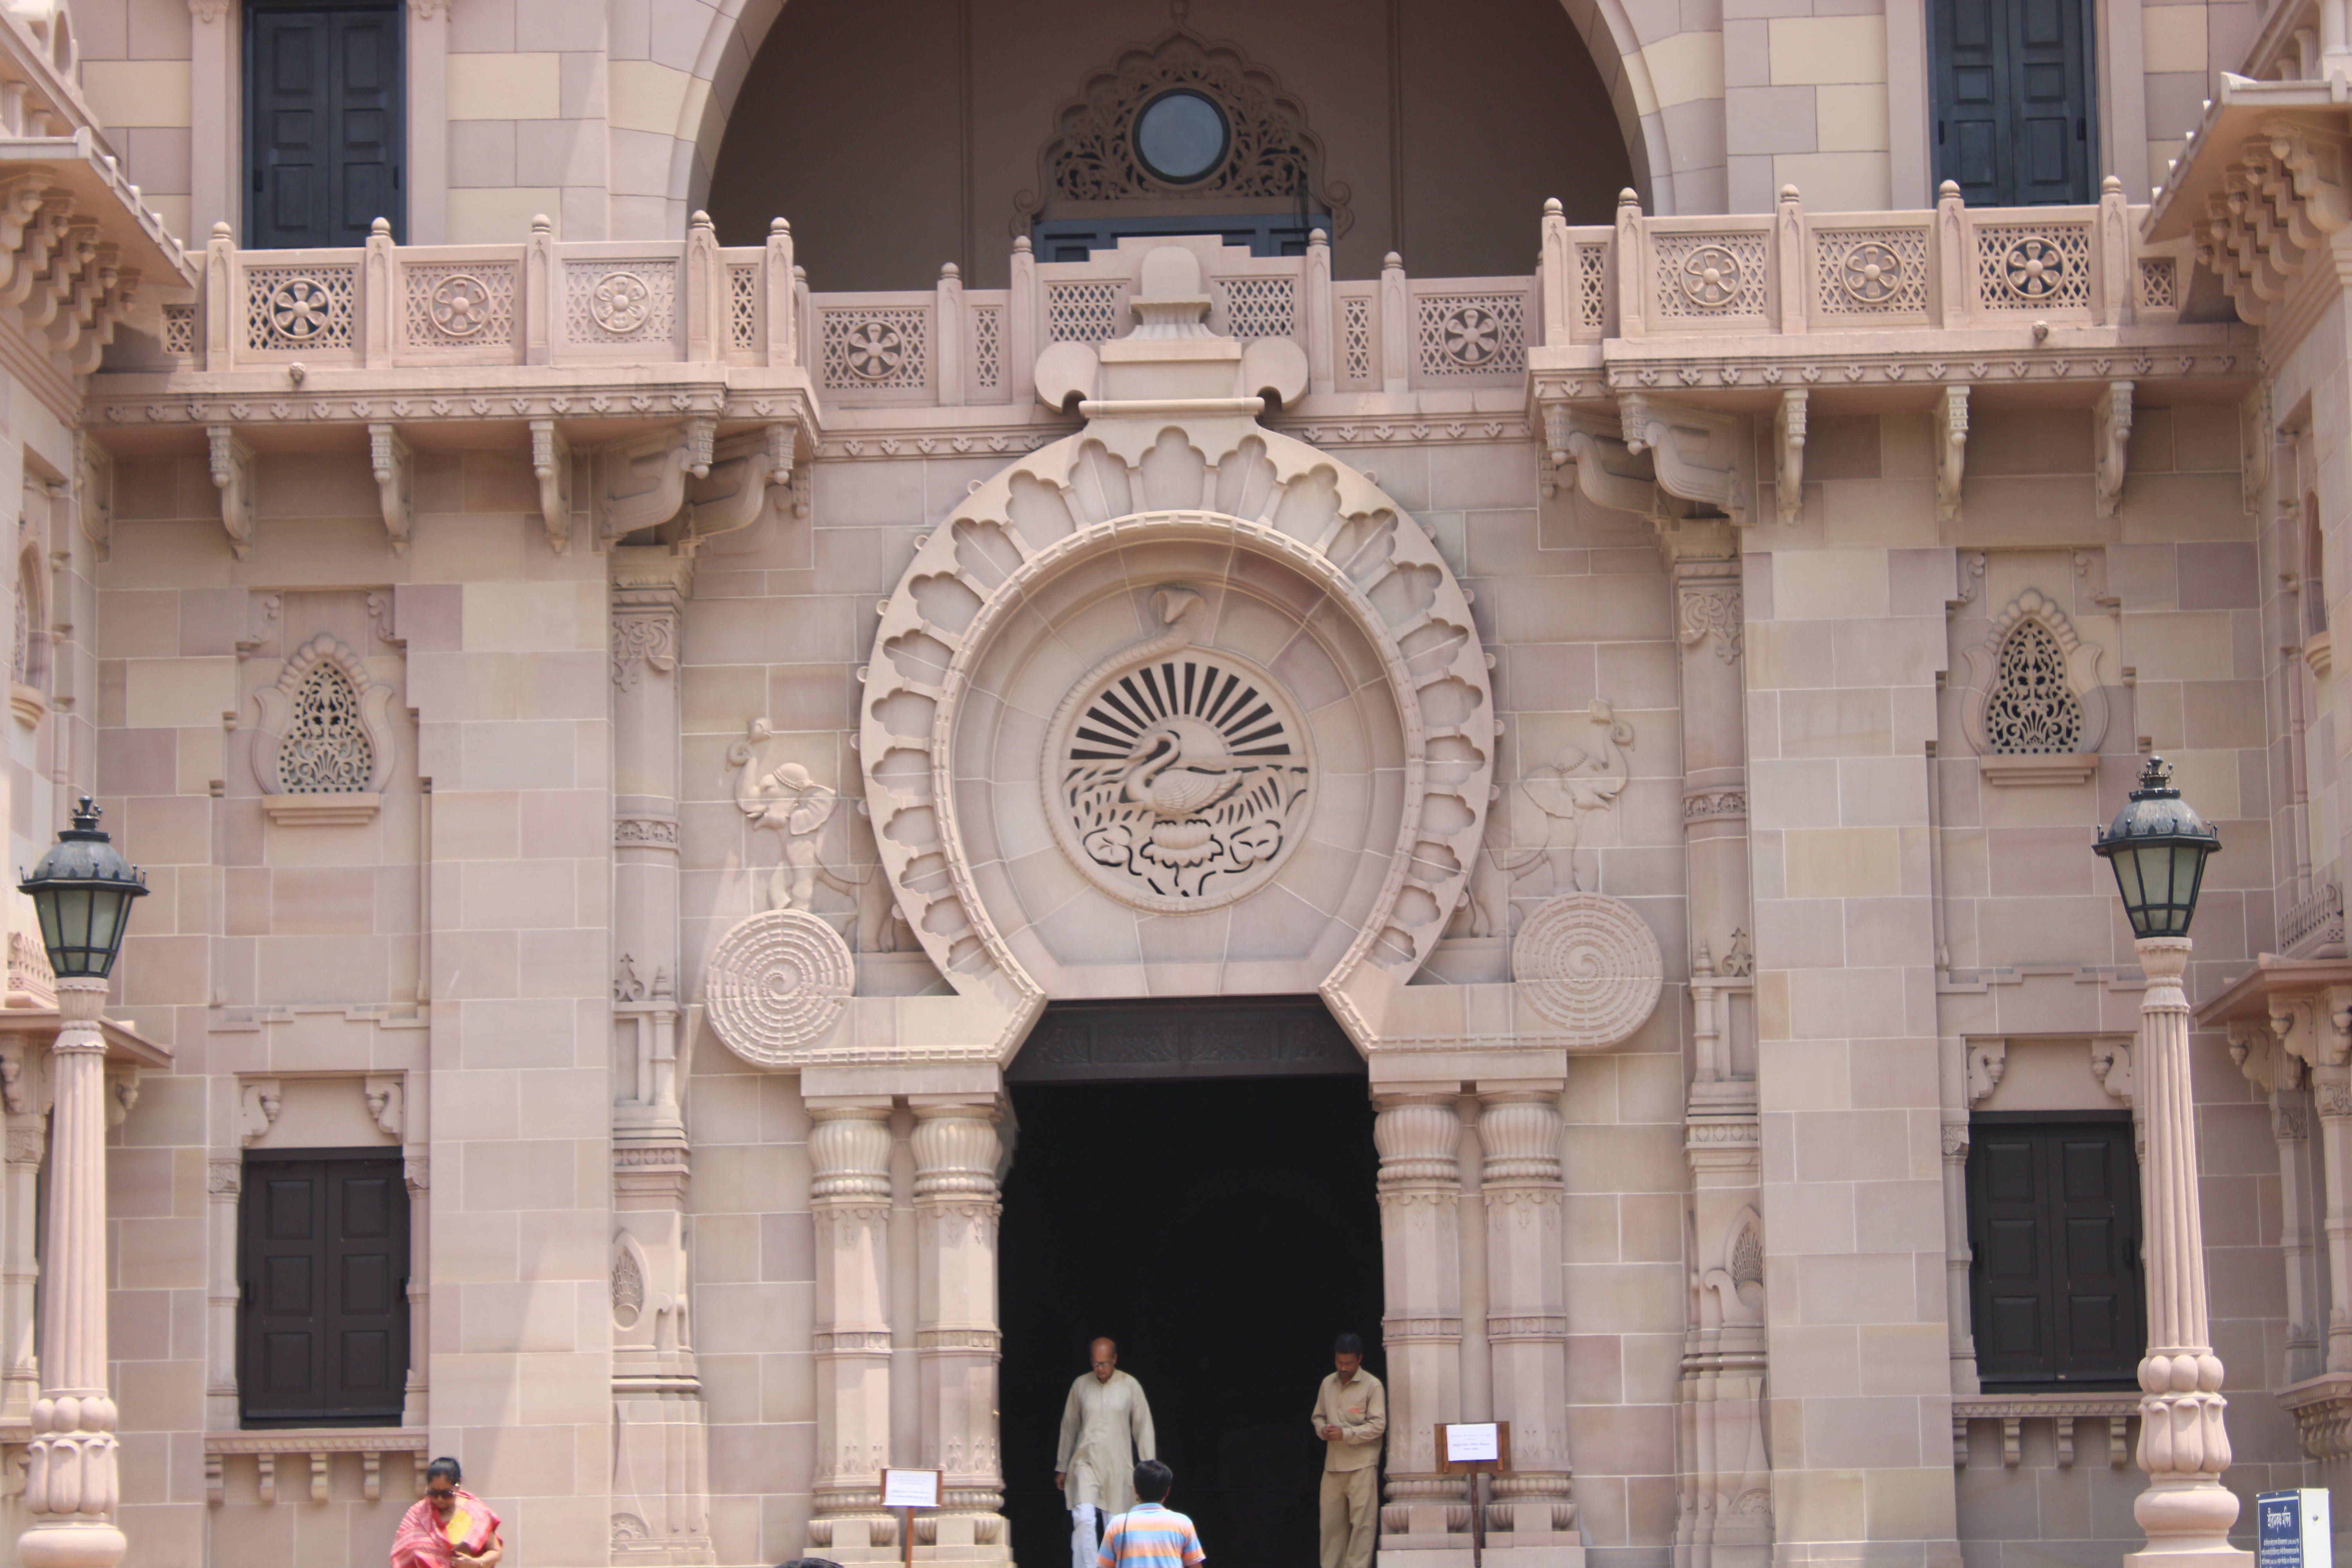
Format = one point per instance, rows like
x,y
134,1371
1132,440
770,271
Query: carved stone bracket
x,y
232,462
1607,472
2257,434
1952,451
395,474
641,480
258,1101
1700,453
2279,202
387,1095
1789,449
2111,415
1988,1060
550,461
743,468
2111,1064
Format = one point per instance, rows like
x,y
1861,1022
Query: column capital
x,y
957,1152
1419,1137
849,1153
1520,1133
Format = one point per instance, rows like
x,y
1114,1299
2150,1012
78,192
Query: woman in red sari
x,y
447,1526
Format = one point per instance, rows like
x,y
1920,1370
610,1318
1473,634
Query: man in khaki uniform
x,y
1351,1412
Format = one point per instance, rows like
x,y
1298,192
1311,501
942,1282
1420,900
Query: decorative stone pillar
x,y
224,1190
69,1473
661,1502
1527,1307
849,1200
2331,1091
1419,1137
2183,1444
415,1171
24,1080
957,1344
1723,1514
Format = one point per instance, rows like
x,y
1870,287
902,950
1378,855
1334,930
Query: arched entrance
x,y
1434,131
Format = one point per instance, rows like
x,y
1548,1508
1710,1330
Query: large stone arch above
x,y
732,33
1068,562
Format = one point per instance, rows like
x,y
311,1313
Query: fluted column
x,y
2290,1127
2184,1446
957,1344
70,1475
1419,1137
1526,1301
849,1199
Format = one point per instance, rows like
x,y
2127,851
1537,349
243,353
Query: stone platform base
x,y
2194,1557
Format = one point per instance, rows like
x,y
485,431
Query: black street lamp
x,y
2157,846
82,890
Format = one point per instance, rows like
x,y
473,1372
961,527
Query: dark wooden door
x,y
2053,1222
322,1335
2012,99
325,137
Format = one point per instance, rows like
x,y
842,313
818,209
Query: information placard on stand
x,y
1477,1449
908,1490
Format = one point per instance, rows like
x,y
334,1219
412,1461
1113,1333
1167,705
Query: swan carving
x,y
1179,768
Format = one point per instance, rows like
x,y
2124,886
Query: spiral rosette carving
x,y
300,308
461,305
1591,965
1712,276
620,302
1871,272
2033,268
778,982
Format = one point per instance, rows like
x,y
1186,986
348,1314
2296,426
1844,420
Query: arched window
x,y
2032,709
326,751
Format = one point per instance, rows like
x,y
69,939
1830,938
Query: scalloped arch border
x,y
932,877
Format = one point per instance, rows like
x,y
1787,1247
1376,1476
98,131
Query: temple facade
x,y
819,699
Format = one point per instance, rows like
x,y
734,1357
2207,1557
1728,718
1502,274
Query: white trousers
x,y
1085,1521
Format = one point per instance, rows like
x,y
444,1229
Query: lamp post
x,y
2157,846
82,891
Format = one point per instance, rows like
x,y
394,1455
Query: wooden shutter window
x,y
2013,106
323,1265
2053,1224
325,132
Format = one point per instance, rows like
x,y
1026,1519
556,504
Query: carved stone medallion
x,y
1178,778
1590,965
778,982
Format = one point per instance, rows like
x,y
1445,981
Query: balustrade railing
x,y
1640,279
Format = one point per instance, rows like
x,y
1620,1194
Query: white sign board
x,y
2292,1530
910,1488
1467,1444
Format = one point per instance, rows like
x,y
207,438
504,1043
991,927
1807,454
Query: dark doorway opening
x,y
1222,1230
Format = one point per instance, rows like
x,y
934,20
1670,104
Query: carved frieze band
x,y
851,1342
1714,804
985,1340
642,637
1395,1331
660,832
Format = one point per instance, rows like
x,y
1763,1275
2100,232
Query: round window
x,y
1182,137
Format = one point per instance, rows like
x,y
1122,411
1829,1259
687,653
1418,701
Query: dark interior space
x,y
1222,1230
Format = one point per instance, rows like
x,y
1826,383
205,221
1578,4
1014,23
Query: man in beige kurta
x,y
1351,1412
1105,1429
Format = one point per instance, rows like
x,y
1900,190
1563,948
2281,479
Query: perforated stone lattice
x,y
620,301
778,982
1710,276
1588,964
1260,307
1356,339
466,304
1871,272
1473,334
2032,709
988,347
866,349
299,307
743,306
1082,312
2021,267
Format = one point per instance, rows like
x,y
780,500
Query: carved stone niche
x,y
323,745
2032,706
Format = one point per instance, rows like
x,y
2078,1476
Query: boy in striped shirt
x,y
1148,1535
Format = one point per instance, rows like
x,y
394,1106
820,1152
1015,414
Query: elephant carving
x,y
1564,796
816,837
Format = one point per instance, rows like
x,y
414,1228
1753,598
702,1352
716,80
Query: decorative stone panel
x,y
323,744
2033,707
